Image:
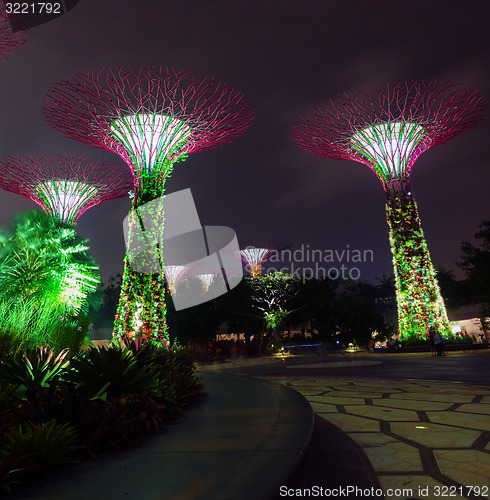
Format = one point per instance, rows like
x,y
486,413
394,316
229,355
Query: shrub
x,y
33,369
110,372
53,445
54,409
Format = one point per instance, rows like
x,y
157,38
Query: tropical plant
x,y
33,369
12,467
271,294
54,410
110,372
45,273
51,445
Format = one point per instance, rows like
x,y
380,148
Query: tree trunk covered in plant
x,y
419,301
141,310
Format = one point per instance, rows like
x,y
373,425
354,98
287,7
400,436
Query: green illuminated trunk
x,y
141,310
419,301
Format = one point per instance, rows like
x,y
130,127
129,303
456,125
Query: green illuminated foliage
x,y
271,294
46,280
141,310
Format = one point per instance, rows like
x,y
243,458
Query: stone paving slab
x,y
421,436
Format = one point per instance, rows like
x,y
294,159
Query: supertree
x,y
11,37
64,186
173,275
256,255
151,118
387,128
206,281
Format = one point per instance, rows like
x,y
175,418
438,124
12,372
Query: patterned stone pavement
x,y
429,438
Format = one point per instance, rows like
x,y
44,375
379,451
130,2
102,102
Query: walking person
x,y
431,342
438,344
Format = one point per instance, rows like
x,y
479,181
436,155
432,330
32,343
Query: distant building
x,y
467,319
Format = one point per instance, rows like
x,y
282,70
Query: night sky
x,y
286,57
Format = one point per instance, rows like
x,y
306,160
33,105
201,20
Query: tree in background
x,y
385,300
271,295
476,261
110,298
356,321
476,264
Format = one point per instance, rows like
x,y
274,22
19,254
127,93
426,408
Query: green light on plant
x,y
419,301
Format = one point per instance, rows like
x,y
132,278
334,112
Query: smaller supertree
x,y
64,186
11,37
173,275
206,281
255,256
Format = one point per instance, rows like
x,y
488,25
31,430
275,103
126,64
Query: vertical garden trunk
x,y
419,300
142,310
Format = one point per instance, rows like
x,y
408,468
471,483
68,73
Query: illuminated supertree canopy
x,y
173,275
255,256
206,281
387,128
152,118
10,39
65,186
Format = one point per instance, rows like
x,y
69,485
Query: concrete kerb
x,y
261,473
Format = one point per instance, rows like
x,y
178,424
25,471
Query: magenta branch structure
x,y
255,256
64,186
152,118
10,39
387,128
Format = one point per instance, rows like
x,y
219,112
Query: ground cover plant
x,y
60,408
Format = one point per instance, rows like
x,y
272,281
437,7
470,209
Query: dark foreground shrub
x,y
56,410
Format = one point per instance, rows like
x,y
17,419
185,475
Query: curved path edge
x,y
241,444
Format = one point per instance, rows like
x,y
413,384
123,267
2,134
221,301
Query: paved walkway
x,y
423,439
396,438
